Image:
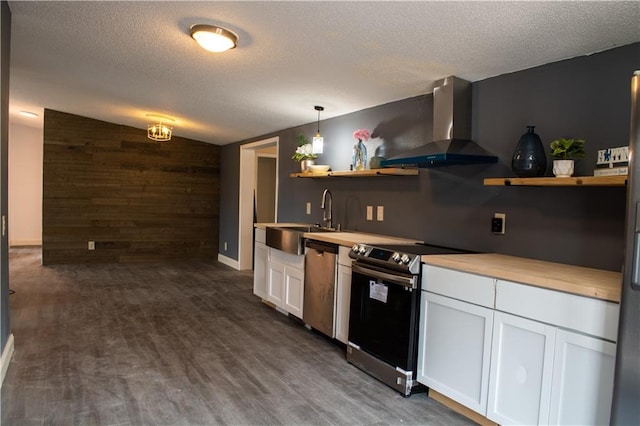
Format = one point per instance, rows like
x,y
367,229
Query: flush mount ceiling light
x,y
318,141
157,130
29,114
213,38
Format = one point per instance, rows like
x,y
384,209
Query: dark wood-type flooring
x,y
182,343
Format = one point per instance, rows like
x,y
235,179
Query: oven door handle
x,y
409,282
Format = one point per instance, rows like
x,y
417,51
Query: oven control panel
x,y
383,256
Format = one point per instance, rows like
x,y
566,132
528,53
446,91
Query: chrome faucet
x,y
327,218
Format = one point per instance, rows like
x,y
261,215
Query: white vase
x,y
304,165
562,168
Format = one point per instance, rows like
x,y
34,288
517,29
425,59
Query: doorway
x,y
249,160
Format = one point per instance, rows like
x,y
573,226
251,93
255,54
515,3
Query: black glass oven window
x,y
387,330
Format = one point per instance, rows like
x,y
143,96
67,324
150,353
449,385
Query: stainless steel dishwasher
x,y
319,285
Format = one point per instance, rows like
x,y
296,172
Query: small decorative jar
x,y
529,158
305,165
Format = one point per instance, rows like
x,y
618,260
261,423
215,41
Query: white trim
x,y
245,198
7,354
228,261
14,243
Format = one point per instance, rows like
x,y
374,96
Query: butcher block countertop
x,y
348,239
596,283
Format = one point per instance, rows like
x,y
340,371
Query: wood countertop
x,y
596,283
263,225
348,239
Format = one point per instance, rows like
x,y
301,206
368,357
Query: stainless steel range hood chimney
x,y
451,131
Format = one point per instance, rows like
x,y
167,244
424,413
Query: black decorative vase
x,y
530,158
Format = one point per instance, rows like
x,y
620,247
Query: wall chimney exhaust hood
x,y
451,131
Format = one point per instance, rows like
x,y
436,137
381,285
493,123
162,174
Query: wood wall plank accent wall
x,y
138,199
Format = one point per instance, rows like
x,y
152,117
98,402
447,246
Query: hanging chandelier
x,y
157,130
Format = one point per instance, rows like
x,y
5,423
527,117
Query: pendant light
x,y
318,141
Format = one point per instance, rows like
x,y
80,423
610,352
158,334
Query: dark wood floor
x,y
177,344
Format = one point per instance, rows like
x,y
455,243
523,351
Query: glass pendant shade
x,y
318,144
318,141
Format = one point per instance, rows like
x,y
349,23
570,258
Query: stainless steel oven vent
x,y
452,142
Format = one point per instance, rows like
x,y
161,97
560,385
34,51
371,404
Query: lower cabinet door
x,y
294,291
343,300
582,380
275,283
521,371
455,349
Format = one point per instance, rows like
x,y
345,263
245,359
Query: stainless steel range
x,y
385,311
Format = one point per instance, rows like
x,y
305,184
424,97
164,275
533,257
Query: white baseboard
x,y
228,261
15,243
7,354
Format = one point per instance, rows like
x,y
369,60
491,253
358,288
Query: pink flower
x,y
361,134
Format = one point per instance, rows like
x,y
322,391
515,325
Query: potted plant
x,y
304,153
565,151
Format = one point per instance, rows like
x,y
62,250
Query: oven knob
x,y
354,248
362,249
405,259
395,257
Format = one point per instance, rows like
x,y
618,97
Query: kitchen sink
x,y
290,238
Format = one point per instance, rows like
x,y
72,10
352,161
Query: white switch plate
x,y
369,212
91,245
308,207
380,213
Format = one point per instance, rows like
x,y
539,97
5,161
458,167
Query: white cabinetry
x,y
521,369
556,365
515,353
582,386
343,295
455,335
260,262
285,281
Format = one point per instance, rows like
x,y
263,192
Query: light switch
x,y
380,213
369,212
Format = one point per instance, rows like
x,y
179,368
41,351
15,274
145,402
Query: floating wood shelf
x,y
554,181
360,173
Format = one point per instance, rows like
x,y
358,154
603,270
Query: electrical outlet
x,y
380,213
91,245
498,223
308,207
369,212
225,246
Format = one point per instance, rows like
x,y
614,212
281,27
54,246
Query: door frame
x,y
246,188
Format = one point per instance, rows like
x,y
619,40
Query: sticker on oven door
x,y
378,291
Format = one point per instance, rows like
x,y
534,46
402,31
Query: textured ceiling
x,y
118,61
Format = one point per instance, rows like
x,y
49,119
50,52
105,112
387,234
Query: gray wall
x,y
5,16
586,97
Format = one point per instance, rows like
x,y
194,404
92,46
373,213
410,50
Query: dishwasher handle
x,y
322,246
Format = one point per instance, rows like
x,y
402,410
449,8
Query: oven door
x,y
384,314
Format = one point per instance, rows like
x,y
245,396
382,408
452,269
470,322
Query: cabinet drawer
x,y
260,235
476,289
591,316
